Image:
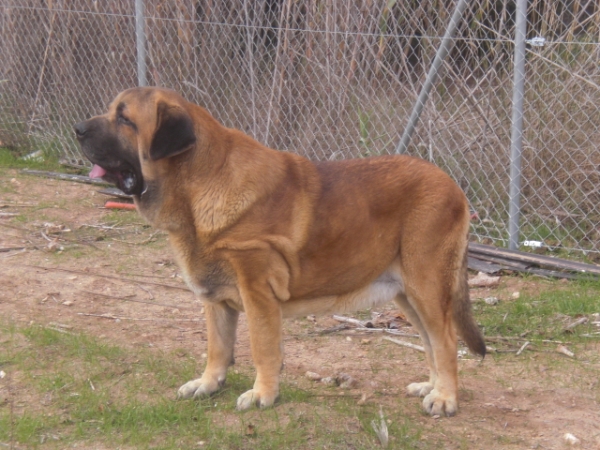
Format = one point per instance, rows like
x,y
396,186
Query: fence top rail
x,y
499,38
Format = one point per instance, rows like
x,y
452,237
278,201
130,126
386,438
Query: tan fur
x,y
275,235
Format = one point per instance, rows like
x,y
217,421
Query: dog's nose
x,y
80,129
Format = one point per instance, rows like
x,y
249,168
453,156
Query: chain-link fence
x,y
333,79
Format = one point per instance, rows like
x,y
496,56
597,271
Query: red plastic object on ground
x,y
118,205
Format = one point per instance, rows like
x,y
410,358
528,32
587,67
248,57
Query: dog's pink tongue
x,y
97,172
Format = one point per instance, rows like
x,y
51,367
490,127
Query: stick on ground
x,y
110,277
405,344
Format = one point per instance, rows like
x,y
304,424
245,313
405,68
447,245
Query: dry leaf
x,y
565,351
484,280
363,399
381,429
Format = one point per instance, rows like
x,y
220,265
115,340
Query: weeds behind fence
x,y
335,79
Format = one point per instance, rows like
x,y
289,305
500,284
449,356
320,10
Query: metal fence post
x,y
516,140
140,41
432,75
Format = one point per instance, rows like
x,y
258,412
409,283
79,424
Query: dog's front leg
x,y
263,277
221,324
264,322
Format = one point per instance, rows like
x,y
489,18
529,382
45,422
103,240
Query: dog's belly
x,y
381,291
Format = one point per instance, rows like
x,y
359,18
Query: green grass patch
x,y
71,389
45,160
545,315
125,217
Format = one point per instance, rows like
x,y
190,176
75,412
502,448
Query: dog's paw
x,y
197,388
419,389
437,404
253,397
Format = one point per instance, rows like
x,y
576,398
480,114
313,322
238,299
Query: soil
x,y
76,265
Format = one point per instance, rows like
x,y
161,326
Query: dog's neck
x,y
230,193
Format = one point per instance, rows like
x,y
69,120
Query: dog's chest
x,y
202,272
209,281
204,278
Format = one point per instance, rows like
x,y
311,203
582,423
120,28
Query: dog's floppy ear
x,y
174,132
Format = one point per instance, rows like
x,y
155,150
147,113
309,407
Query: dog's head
x,y
141,127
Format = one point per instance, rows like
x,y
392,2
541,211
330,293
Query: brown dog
x,y
275,235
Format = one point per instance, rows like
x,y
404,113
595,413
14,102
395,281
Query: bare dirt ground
x,y
113,277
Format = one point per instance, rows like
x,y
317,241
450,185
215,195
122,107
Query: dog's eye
x,y
122,120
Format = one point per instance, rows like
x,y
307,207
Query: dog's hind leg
x,y
432,305
221,324
423,388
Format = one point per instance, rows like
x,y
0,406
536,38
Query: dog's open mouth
x,y
125,179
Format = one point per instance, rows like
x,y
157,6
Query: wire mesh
x,y
333,79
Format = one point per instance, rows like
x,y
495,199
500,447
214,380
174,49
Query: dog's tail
x,y
462,314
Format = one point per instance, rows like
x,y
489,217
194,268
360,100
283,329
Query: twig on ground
x,y
58,330
78,241
387,330
161,277
64,239
514,338
10,249
195,331
60,325
145,241
110,277
523,347
350,320
110,316
146,291
46,237
340,327
400,333
405,344
15,253
580,321
102,227
128,298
